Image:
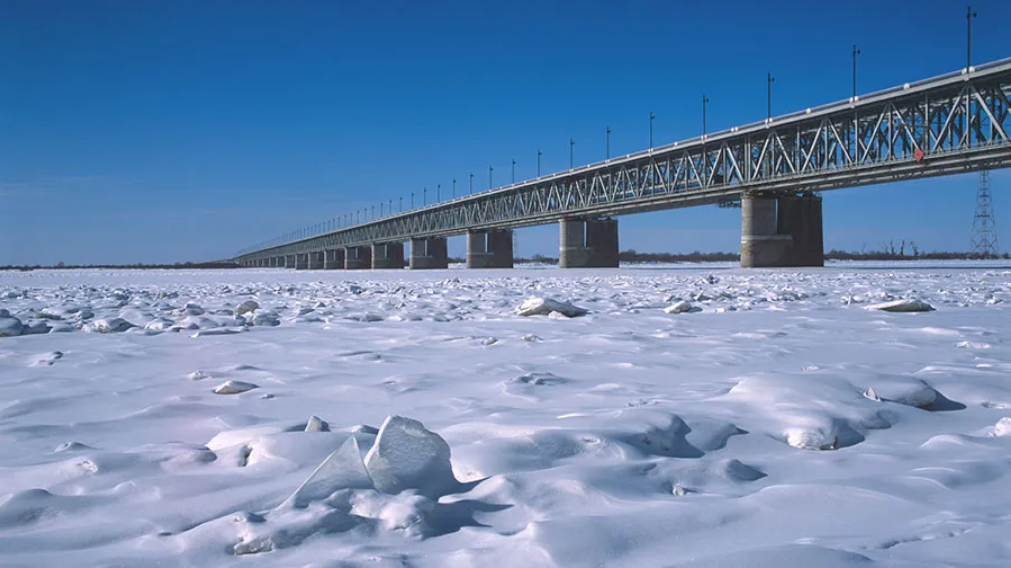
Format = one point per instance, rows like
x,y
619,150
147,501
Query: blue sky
x,y
164,131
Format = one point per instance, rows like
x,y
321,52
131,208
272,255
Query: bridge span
x,y
959,122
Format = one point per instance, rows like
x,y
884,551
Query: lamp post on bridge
x,y
969,15
412,200
454,188
401,204
489,176
856,52
651,117
438,192
607,143
539,154
514,170
424,196
704,101
390,208
769,81
472,183
572,143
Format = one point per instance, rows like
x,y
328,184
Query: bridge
x,y
771,169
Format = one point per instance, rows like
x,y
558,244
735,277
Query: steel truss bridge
x,y
944,125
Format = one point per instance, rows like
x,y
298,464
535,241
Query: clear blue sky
x,y
162,131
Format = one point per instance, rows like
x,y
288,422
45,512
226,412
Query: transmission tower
x,y
984,227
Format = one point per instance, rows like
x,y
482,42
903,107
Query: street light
x,y
969,15
770,80
514,170
607,143
412,200
454,188
401,204
571,144
424,196
651,117
438,192
856,52
489,176
472,183
539,154
704,101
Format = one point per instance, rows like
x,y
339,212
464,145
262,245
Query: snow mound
x,y
545,306
406,455
907,391
266,319
911,305
1003,427
234,387
9,326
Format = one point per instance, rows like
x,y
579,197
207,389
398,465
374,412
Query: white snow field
x,y
399,418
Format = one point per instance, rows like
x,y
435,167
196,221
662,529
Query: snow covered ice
x,y
399,418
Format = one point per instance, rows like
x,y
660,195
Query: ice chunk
x,y
246,307
902,306
234,387
811,439
405,455
316,424
1003,427
108,325
681,307
544,306
343,469
197,376
9,326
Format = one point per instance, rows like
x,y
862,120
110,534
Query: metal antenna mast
x,y
984,226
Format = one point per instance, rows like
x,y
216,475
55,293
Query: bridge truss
x,y
950,124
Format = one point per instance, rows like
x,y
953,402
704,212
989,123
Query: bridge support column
x,y
781,231
315,260
357,258
301,261
387,255
279,261
592,243
429,253
492,248
333,259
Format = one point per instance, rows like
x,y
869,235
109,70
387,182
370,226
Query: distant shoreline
x,y
628,257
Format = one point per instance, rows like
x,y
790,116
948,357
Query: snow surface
x,y
407,418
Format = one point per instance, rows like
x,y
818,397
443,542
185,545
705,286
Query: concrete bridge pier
x,y
387,255
302,261
590,243
316,260
429,253
357,258
279,261
491,248
333,259
783,230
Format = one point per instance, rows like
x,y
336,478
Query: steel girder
x,y
949,124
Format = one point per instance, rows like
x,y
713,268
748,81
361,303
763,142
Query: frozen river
x,y
775,421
